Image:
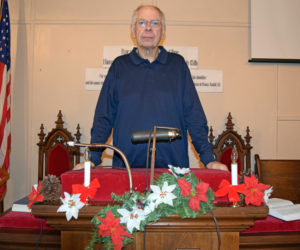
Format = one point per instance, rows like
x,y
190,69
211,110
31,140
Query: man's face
x,y
148,29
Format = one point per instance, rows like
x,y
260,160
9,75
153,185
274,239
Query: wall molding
x,y
191,23
282,118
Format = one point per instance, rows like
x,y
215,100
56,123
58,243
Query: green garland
x,y
128,200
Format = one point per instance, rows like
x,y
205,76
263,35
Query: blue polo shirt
x,y
136,95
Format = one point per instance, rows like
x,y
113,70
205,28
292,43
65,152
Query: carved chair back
x,y
229,139
55,156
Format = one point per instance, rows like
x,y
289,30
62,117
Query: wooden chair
x,y
283,175
22,230
55,156
226,141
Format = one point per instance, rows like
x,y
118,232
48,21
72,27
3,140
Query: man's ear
x,y
132,28
163,30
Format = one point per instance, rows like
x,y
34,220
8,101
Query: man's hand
x,y
217,165
81,166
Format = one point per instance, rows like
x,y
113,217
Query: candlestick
x,y
87,167
234,174
234,167
87,173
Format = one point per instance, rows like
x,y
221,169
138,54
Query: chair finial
x,y
41,135
229,124
211,137
59,122
248,137
78,134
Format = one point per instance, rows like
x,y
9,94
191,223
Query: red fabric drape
x,y
225,158
116,180
58,160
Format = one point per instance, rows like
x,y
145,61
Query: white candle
x,y
87,173
234,177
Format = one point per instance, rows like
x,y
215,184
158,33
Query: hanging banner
x,y
208,81
94,78
190,54
204,80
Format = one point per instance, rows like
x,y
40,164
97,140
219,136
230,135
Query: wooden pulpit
x,y
167,233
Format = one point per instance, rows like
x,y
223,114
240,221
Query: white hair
x,y
161,14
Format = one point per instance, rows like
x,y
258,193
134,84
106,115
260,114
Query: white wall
x,y
53,42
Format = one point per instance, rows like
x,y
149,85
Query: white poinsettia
x,y
132,218
178,171
149,208
162,195
268,193
71,205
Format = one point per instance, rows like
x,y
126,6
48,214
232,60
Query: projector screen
x,y
275,31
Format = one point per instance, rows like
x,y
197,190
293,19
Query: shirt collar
x,y
161,58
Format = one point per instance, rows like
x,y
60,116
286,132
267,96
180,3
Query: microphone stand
x,y
154,132
153,156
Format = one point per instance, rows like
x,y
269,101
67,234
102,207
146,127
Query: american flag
x,y
5,136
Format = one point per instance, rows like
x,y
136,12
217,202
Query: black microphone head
x,y
163,134
140,136
179,134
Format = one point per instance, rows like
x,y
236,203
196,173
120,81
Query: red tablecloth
x,y
22,220
117,181
272,224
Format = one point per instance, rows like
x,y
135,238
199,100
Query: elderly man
x,y
148,87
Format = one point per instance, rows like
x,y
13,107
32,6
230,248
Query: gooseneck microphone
x,y
163,134
123,156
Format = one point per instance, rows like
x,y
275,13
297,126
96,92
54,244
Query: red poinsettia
x,y
86,192
232,190
35,195
111,227
196,194
254,191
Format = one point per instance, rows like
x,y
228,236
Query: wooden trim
x,y
278,240
273,60
26,238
